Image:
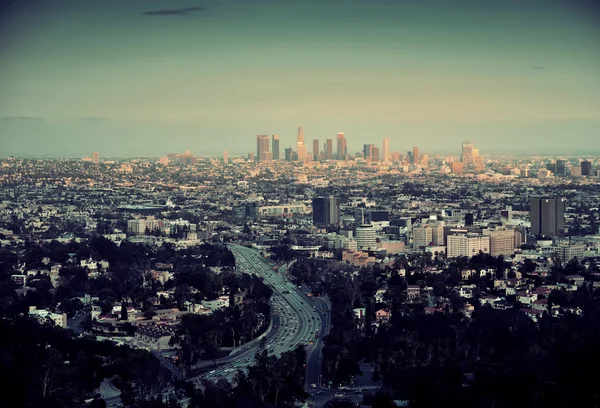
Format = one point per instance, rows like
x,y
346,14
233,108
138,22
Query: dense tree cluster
x,y
495,358
47,366
270,382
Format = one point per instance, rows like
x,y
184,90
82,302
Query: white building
x,y
218,303
44,316
467,245
365,236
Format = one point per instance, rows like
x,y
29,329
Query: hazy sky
x,y
151,77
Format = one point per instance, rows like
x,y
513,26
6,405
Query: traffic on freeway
x,y
296,321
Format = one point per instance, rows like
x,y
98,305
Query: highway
x,y
295,320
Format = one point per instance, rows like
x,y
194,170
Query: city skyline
x,y
170,77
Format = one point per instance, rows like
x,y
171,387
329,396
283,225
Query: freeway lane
x,y
298,319
294,318
314,359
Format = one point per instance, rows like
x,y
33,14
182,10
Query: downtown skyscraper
x,y
262,149
328,149
467,153
342,148
300,145
386,150
415,155
315,150
275,147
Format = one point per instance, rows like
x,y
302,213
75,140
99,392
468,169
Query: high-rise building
x,y
415,154
547,216
368,152
329,149
375,154
301,151
300,138
262,147
561,167
386,150
275,147
341,146
422,236
326,210
467,245
300,145
456,167
225,157
425,160
586,168
365,236
467,154
289,152
567,252
95,158
251,156
315,152
502,242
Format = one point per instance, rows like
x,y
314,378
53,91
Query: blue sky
x,y
151,77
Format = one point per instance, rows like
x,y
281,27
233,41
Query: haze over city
x,y
147,78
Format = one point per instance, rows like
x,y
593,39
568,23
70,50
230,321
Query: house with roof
x,y
383,315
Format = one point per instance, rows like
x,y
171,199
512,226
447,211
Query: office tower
x,y
415,154
425,160
547,216
300,146
365,236
469,219
467,245
225,157
326,210
568,252
575,171
586,168
315,152
368,151
288,154
561,168
475,154
396,157
275,147
300,138
409,157
301,151
375,154
437,232
262,147
386,150
251,156
95,158
525,173
456,167
422,236
341,146
502,242
329,149
467,153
